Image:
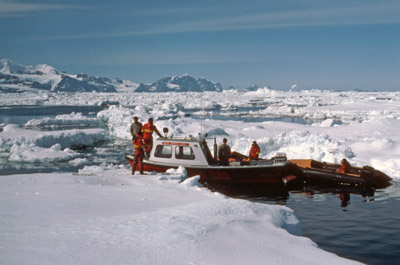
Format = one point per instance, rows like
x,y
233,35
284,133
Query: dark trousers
x,y
224,161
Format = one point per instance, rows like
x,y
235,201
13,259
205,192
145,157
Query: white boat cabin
x,y
183,151
194,151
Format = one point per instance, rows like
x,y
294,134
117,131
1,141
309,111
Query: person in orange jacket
x,y
147,131
138,145
254,151
345,166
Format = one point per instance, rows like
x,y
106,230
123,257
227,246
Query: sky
x,y
324,44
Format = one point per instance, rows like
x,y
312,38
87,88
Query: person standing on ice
x,y
224,153
136,127
148,130
138,145
254,151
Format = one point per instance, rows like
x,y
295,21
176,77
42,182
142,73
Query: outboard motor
x,y
367,173
165,131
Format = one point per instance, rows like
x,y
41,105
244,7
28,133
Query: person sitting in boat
x,y
224,153
147,131
138,145
345,166
254,151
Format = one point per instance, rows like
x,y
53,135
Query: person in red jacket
x,y
254,151
147,131
138,145
345,166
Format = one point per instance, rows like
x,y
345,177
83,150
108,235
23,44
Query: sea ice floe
x,y
64,119
46,146
31,153
346,118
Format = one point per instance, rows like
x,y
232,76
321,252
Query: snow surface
x,y
112,217
104,215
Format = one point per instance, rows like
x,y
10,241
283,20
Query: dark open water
x,y
365,229
22,114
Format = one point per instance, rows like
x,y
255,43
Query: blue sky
x,y
341,44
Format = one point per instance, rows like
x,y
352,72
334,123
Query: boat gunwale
x,y
211,167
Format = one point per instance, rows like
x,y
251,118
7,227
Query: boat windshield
x,y
207,152
184,152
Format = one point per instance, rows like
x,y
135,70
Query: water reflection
x,y
258,192
344,198
281,194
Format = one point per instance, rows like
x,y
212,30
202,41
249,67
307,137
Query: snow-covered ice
x,y
64,119
102,215
45,146
111,217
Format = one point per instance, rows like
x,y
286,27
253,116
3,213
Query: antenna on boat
x,y
202,114
215,147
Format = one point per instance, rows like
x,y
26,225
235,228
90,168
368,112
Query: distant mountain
x,y
183,83
16,77
253,87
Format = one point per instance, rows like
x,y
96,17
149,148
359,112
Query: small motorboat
x,y
324,174
195,156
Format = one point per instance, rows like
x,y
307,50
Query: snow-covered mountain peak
x,y
7,66
15,77
253,87
183,83
46,69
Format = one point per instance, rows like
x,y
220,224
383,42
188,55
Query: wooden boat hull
x,y
276,174
325,174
